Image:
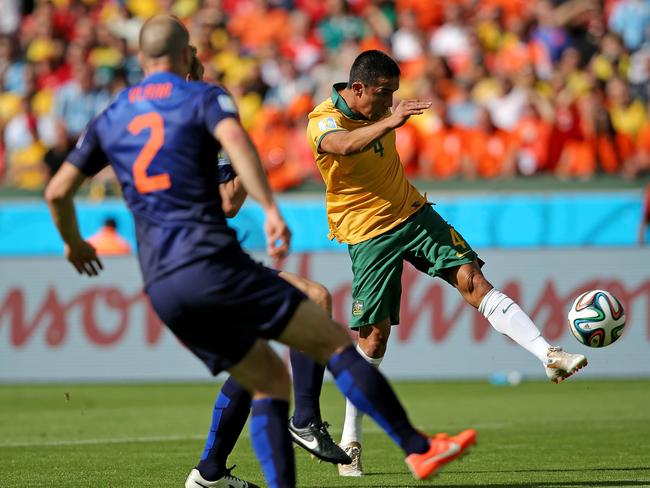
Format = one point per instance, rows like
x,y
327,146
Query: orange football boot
x,y
442,450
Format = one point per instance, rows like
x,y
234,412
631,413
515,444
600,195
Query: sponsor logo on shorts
x,y
357,308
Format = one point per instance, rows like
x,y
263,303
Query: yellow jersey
x,y
367,192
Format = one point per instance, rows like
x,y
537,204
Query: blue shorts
x,y
219,307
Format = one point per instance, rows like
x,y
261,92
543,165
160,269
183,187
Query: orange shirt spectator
x,y
428,12
490,152
642,159
442,153
407,139
258,27
578,160
107,241
513,56
532,136
272,136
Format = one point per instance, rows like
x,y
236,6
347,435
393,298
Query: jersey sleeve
x,y
87,154
321,125
218,105
225,170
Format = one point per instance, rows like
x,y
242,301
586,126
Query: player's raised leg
x,y
312,331
508,318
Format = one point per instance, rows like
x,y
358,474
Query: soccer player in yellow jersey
x,y
385,220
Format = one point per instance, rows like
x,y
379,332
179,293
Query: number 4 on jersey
x,y
456,239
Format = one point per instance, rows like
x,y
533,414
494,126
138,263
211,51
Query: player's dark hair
x,y
372,65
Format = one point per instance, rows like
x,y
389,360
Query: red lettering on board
x,y
435,302
53,316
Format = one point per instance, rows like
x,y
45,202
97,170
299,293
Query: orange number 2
x,y
143,182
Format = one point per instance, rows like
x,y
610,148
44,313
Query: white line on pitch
x,y
371,429
108,440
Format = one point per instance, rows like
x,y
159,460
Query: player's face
x,y
375,100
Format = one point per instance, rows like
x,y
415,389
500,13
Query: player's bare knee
x,y
472,284
321,295
336,339
373,340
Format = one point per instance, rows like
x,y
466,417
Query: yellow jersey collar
x,y
341,105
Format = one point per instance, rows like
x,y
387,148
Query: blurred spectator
x,y
490,151
10,18
549,34
641,162
259,24
339,25
532,135
462,110
507,107
551,86
78,101
628,118
631,20
442,150
108,242
451,40
11,68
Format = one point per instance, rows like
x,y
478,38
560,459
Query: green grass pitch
x,y
577,434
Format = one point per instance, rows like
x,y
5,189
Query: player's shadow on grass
x,y
369,479
531,484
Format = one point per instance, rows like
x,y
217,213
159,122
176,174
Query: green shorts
x,y
425,240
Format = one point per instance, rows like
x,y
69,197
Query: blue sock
x,y
307,385
231,410
271,442
369,391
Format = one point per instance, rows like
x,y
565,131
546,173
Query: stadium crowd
x,y
518,87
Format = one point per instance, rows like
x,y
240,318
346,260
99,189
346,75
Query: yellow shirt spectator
x,y
628,119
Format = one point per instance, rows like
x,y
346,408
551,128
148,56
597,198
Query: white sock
x,y
353,418
509,319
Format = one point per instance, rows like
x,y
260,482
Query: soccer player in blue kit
x,y
162,138
232,405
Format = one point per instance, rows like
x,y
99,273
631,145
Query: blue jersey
x,y
157,136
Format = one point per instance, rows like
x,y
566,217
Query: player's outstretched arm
x,y
59,195
354,141
247,165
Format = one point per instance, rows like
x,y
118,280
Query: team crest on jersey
x,y
226,104
327,124
357,308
